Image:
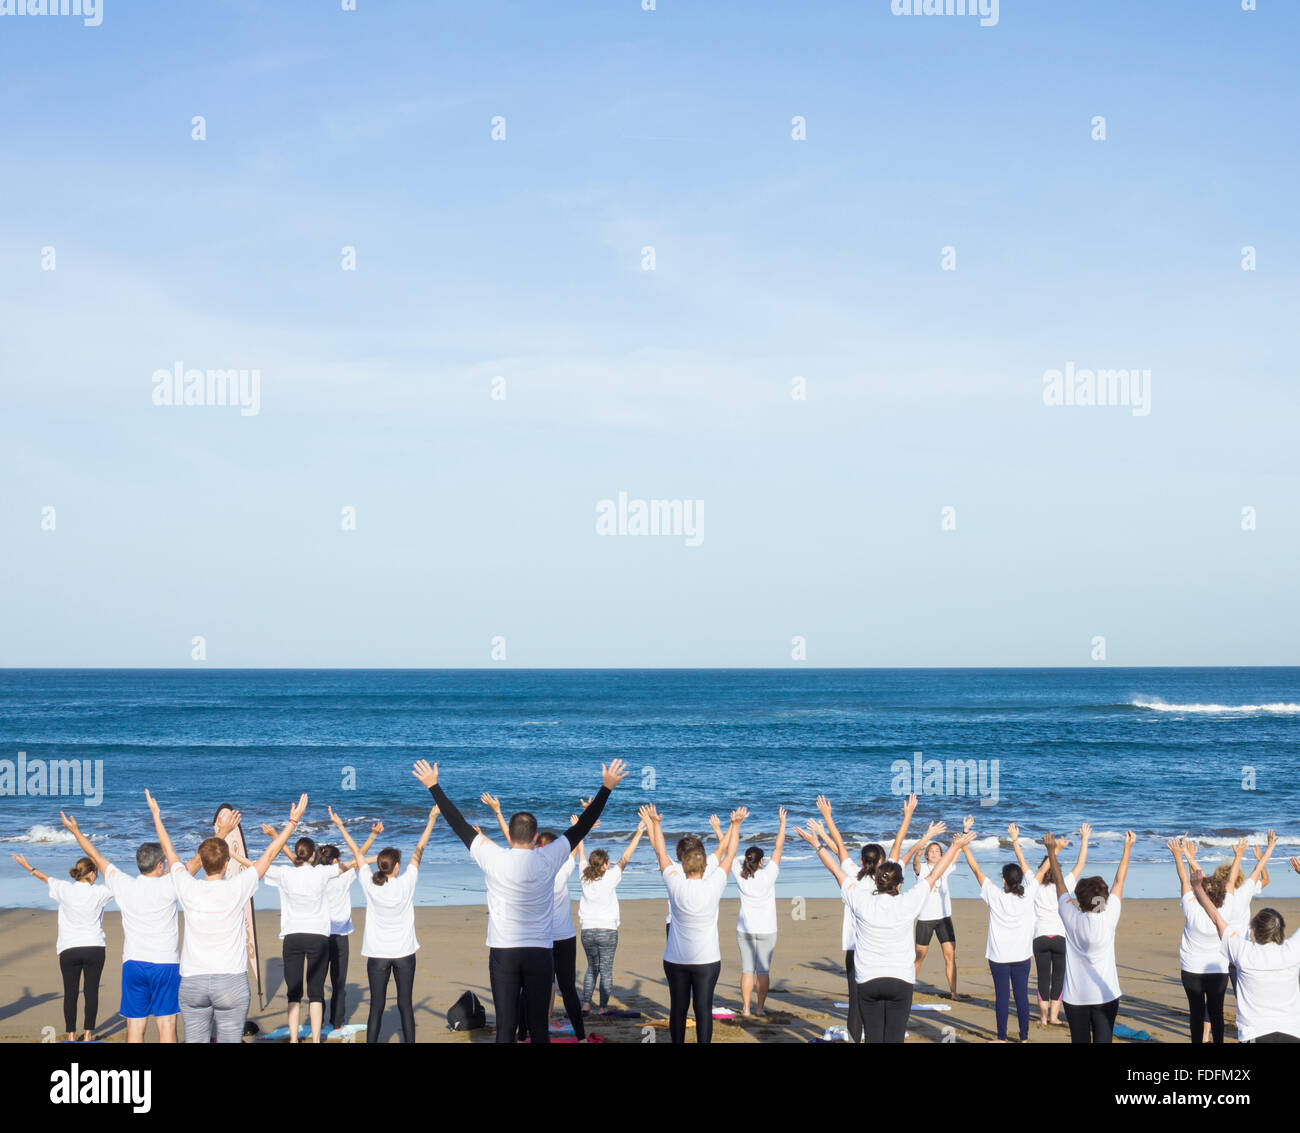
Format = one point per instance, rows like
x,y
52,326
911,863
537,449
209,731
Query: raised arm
x,y
1085,832
101,862
1261,868
494,805
424,839
164,840
832,831
1175,846
653,823
780,837
428,775
269,854
376,829
959,843
43,878
270,831
732,841
974,865
631,849
914,854
825,854
352,846
610,777
1198,887
909,806
1044,874
1054,866
1014,832
1121,874
1238,852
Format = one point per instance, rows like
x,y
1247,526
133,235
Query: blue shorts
x,y
150,989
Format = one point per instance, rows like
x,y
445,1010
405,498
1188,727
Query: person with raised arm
x,y
884,919
598,913
692,955
151,961
80,943
338,898
756,925
1011,932
564,937
388,941
520,885
1201,959
1090,916
1243,889
935,918
1268,966
1049,931
871,856
214,952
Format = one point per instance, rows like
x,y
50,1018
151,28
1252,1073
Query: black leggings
x,y
1205,992
1091,1022
73,962
565,953
378,969
522,975
884,1005
1049,957
310,949
855,1017
691,984
338,980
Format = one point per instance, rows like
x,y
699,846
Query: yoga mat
x,y
1124,1032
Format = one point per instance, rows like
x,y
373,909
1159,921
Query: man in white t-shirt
x,y
213,961
521,900
151,971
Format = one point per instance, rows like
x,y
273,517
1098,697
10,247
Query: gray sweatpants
x,y
214,1000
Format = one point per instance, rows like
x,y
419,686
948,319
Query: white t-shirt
x,y
711,866
562,917
884,944
338,899
520,891
1090,973
1241,898
390,915
599,905
81,913
1268,986
1047,917
149,910
693,906
1011,921
757,899
938,903
215,941
303,907
1201,951
847,930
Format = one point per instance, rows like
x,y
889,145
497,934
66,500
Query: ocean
x,y
1213,752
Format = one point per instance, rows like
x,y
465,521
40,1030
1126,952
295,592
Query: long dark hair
x,y
872,855
390,857
753,862
1013,877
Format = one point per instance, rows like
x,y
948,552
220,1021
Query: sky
x,y
474,538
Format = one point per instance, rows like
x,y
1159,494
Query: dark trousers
x,y
565,959
75,963
884,1005
855,1018
1006,979
378,969
1205,992
1091,1022
313,951
691,985
1049,955
338,981
521,974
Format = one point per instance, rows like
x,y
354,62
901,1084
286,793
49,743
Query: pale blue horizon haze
x,y
774,258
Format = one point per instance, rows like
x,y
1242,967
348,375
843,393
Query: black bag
x,y
466,1014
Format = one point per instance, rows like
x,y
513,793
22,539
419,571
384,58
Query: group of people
x,y
1063,922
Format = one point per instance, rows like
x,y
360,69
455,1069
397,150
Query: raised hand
x,y
1295,864
935,829
968,823
1272,839
426,773
781,815
739,815
22,861
153,803
1130,838
491,802
809,836
334,818
964,839
226,825
1051,843
1197,877
1062,841
1013,831
68,821
299,808
376,827
909,805
817,828
614,774
1189,848
649,815
824,806
1175,846
433,817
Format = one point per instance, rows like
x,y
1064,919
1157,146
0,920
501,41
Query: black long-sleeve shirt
x,y
575,834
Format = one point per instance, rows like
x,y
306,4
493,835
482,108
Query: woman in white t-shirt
x,y
871,857
1202,962
935,917
1091,916
80,943
884,921
599,916
757,924
388,940
1011,934
1049,931
692,955
1242,889
1268,967
338,900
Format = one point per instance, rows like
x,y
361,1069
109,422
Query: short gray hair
x,y
148,857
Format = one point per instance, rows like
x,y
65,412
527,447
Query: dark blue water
x,y
1157,750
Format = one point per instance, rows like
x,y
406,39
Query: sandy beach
x,y
808,976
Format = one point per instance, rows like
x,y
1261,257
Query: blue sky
x,y
774,258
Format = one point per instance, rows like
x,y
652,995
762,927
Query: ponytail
x,y
753,862
389,859
1013,877
872,855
